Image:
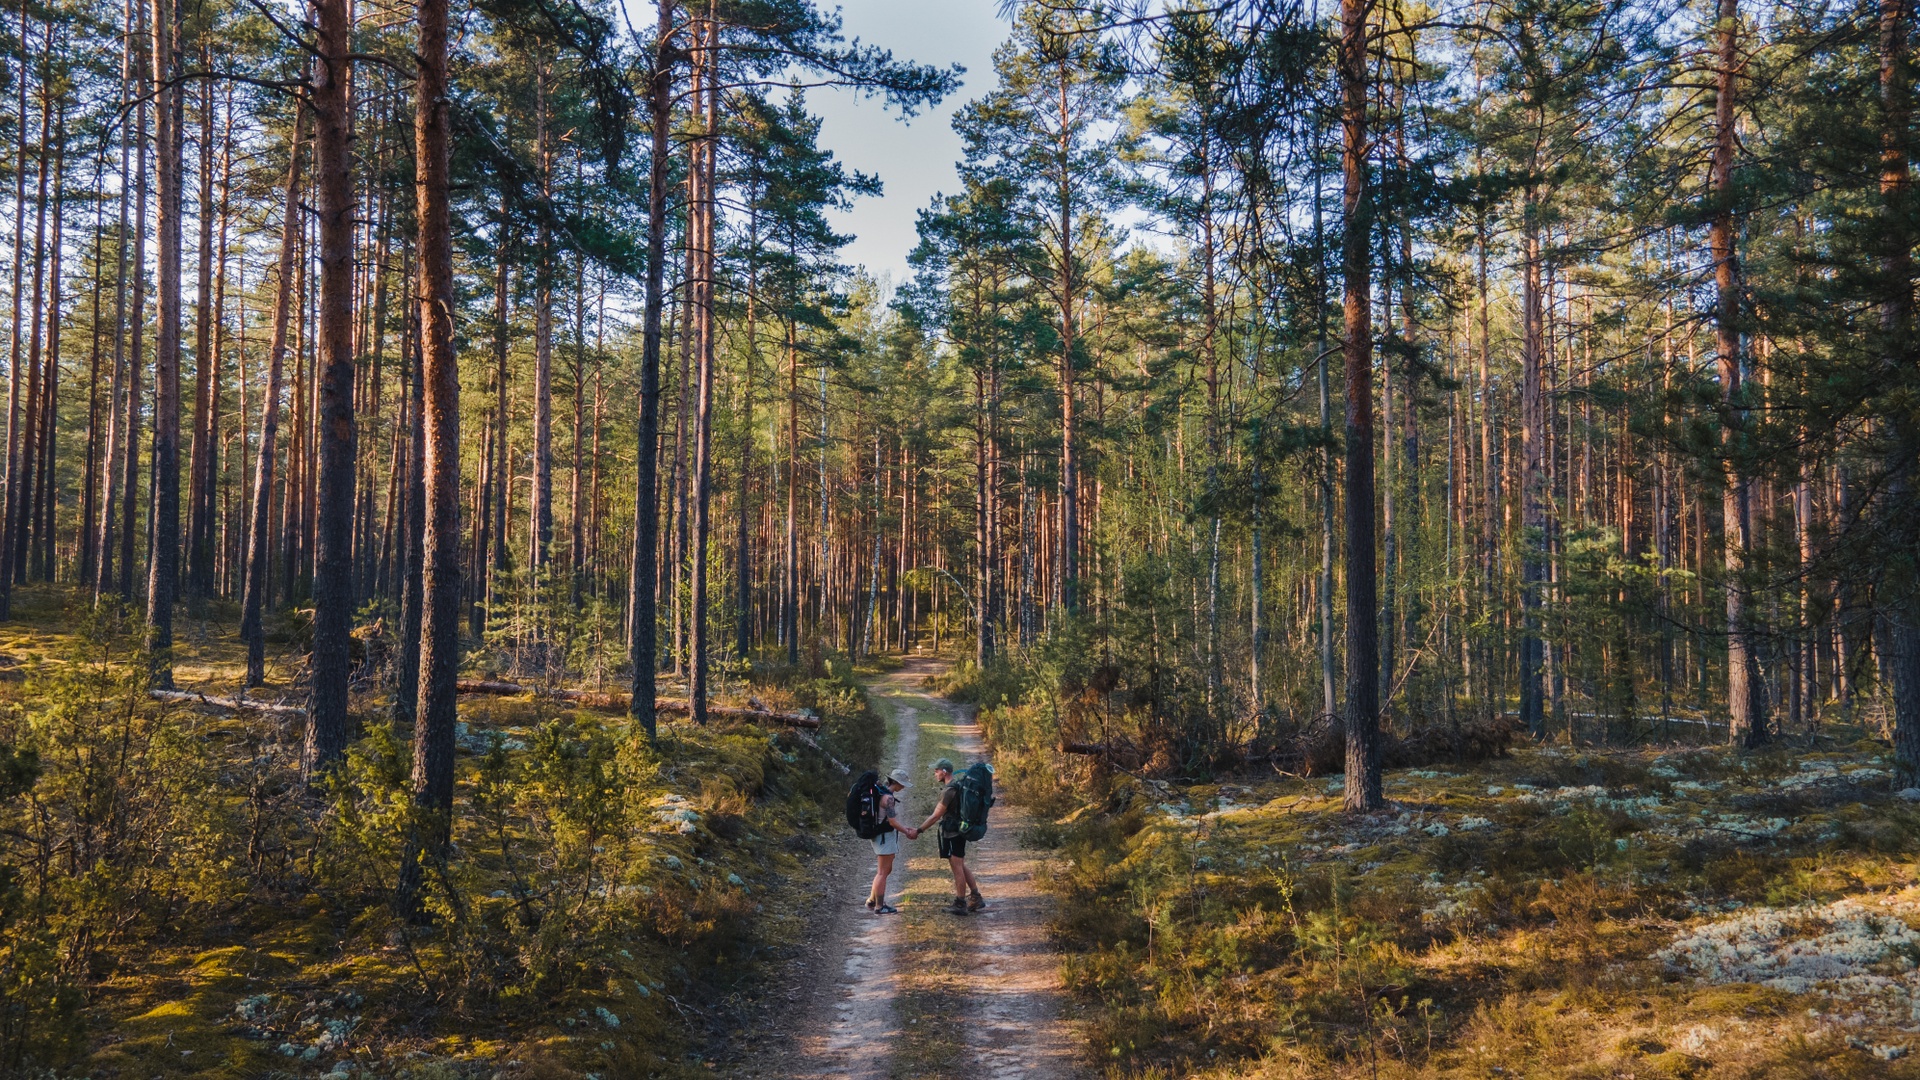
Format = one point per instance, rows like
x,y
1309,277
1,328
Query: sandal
x,y
886,909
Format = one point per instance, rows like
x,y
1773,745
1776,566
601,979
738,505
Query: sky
x,y
914,159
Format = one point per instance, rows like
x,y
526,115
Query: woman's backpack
x,y
864,812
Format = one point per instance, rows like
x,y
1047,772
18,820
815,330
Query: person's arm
x,y
939,810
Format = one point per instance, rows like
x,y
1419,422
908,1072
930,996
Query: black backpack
x,y
976,798
863,807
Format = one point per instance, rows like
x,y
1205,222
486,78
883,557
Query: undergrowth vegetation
x,y
1563,911
173,902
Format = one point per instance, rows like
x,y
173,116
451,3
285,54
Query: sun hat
x,y
899,776
943,763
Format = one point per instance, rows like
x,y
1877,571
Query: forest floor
x,y
616,901
923,994
1602,913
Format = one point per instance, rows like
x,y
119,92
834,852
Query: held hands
x,y
912,833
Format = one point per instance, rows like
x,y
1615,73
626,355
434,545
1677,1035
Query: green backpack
x,y
976,799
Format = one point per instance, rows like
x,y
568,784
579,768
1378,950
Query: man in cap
x,y
953,846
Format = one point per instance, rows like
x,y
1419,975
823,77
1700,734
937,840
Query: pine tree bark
x,y
1363,781
1746,709
433,727
541,504
163,563
102,568
259,542
199,584
136,358
705,211
791,570
47,493
1896,319
26,468
1534,493
336,433
20,257
642,593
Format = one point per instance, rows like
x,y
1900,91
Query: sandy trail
x,y
877,995
1017,1003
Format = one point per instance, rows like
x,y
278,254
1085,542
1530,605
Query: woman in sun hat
x,y
887,844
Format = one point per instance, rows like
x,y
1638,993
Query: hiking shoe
x,y
886,909
976,902
958,907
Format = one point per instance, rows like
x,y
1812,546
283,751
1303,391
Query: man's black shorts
x,y
953,847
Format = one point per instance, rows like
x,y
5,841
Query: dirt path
x,y
924,993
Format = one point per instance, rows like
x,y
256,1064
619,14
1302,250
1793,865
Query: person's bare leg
x,y
962,877
878,895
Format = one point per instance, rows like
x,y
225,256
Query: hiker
x,y
953,845
887,844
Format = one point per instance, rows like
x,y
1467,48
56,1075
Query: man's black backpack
x,y
976,798
863,807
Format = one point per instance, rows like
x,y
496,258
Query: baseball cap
x,y
943,763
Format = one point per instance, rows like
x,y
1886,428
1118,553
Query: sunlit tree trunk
x,y
259,543
433,728
1746,710
705,212
163,565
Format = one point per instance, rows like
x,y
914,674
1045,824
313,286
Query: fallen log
x,y
1089,749
197,700
600,700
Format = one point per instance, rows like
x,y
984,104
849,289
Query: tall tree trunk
x,y
1069,300
259,545
84,561
983,560
743,506
136,358
576,509
642,593
1363,782
163,564
1490,464
1534,493
705,212
1329,663
46,491
440,612
20,257
25,469
791,603
540,506
102,570
406,702
336,433
1746,710
199,583
1896,318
